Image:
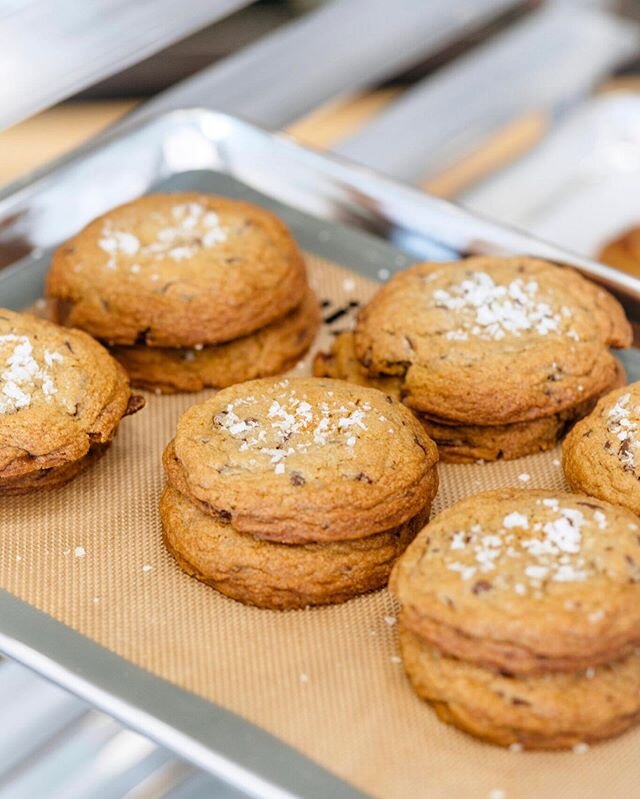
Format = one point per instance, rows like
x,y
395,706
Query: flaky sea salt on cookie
x,y
304,459
61,397
525,581
490,340
601,455
177,270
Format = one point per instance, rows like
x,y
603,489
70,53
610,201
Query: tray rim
x,y
244,756
349,191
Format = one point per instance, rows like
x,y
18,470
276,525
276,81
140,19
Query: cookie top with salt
x,y
525,578
59,390
178,270
601,455
304,459
453,332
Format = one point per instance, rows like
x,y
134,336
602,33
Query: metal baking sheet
x,y
344,213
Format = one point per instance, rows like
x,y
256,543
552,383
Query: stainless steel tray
x,y
345,213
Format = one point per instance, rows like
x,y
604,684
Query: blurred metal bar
x,y
160,783
545,62
93,759
202,786
33,712
51,49
342,46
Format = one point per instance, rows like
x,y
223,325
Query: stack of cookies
x,y
189,290
288,493
520,618
496,356
62,397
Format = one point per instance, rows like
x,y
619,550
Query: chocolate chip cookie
x,y
178,270
492,341
601,455
269,351
62,397
552,711
525,582
274,575
303,459
464,443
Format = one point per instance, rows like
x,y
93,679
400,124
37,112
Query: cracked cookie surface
x,y
525,581
177,270
601,455
489,340
304,459
62,397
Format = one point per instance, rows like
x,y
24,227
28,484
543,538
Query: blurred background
x,y
525,111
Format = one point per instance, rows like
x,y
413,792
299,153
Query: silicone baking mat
x,y
327,681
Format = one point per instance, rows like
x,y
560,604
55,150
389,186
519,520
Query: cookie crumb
x,y
524,477
516,747
147,567
79,552
395,659
18,558
390,620
497,793
581,748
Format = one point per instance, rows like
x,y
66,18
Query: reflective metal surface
x,y
470,98
52,205
51,49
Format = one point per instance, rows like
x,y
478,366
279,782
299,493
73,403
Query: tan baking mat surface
x,y
327,681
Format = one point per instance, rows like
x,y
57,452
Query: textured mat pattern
x,y
327,681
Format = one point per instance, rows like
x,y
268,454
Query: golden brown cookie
x,y
490,341
525,581
601,455
463,443
623,252
271,350
279,576
553,711
304,459
178,270
61,399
